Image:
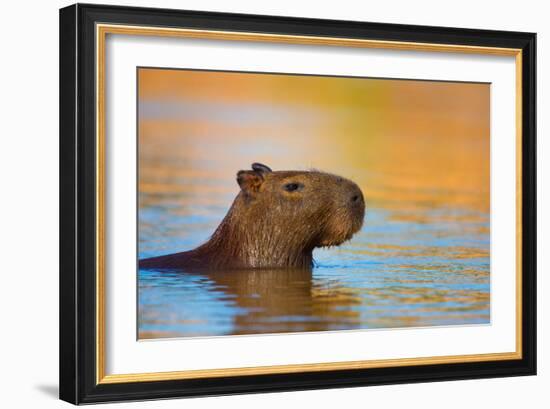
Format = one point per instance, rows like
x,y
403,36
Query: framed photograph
x,y
257,203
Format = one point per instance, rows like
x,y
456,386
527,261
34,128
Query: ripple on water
x,y
399,275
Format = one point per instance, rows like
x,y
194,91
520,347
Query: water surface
x,y
418,150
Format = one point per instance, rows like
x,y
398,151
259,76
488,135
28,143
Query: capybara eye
x,y
292,187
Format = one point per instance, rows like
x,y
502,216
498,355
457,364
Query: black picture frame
x,y
78,360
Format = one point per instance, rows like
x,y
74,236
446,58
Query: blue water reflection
x,y
394,273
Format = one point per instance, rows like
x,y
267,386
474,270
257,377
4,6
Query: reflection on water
x,y
394,273
419,151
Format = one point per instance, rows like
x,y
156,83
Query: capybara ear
x,y
250,181
260,167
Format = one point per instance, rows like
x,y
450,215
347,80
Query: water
x,y
419,153
392,274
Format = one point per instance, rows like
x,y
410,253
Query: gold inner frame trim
x,y
101,33
282,369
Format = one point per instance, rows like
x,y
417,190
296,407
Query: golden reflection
x,y
451,252
418,149
409,144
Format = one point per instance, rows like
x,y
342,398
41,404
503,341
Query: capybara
x,y
276,221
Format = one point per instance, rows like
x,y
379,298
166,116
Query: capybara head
x,y
276,221
308,208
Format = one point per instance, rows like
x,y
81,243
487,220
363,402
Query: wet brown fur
x,y
268,226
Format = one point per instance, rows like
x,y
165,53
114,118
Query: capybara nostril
x,y
355,198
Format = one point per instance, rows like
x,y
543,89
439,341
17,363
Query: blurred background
x,y
418,149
